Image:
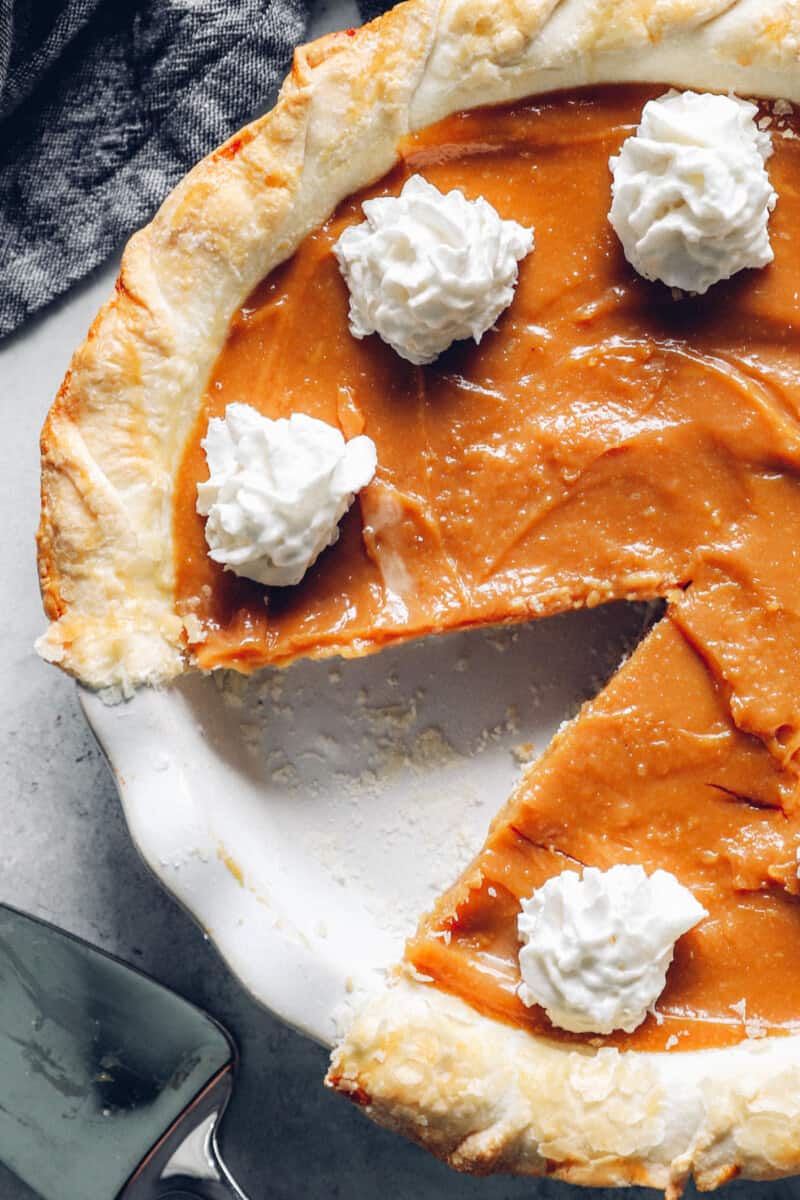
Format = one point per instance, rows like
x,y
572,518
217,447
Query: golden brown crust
x,y
485,1097
113,437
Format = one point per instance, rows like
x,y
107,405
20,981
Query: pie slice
x,y
604,441
654,772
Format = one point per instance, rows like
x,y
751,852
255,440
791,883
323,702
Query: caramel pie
x,y
604,441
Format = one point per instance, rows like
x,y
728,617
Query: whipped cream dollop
x,y
277,490
596,948
691,194
426,269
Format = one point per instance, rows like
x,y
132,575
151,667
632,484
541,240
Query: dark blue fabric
x,y
104,105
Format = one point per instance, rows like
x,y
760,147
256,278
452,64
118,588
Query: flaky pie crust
x,y
486,1097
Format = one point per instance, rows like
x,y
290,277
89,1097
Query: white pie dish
x,y
306,817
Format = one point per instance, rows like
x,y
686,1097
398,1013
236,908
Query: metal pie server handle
x,y
187,1161
215,1183
96,1061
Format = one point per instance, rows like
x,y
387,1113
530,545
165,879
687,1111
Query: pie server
x,y
111,1086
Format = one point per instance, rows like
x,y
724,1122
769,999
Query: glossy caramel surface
x,y
654,771
583,452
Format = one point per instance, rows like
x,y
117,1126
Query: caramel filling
x,y
654,772
603,442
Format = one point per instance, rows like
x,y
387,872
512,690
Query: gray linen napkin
x,y
104,104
